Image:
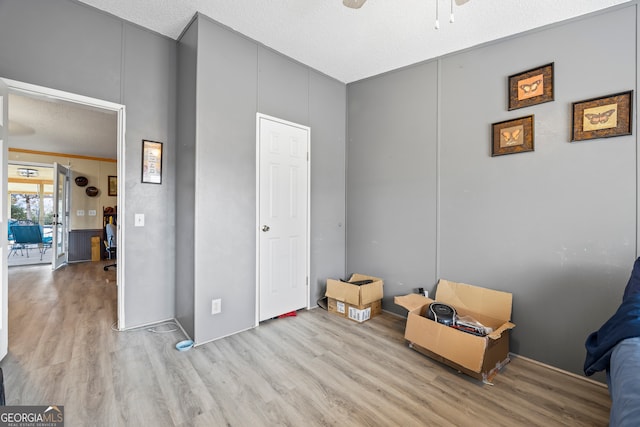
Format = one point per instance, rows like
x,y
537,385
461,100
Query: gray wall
x,y
225,181
392,179
186,178
556,227
327,119
235,78
72,47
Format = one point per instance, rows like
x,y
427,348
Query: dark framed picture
x,y
512,136
152,162
602,117
531,87
113,185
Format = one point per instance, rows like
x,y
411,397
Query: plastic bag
x,y
472,326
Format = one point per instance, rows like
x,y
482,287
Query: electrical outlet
x,y
216,306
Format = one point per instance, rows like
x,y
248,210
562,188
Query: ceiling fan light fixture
x,y
451,19
353,4
28,173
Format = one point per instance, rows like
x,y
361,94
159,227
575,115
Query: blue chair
x,y
47,240
13,247
11,223
28,237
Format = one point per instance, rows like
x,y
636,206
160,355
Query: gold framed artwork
x,y
602,117
113,185
531,87
512,136
152,162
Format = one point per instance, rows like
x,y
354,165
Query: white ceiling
x,y
51,125
347,44
351,44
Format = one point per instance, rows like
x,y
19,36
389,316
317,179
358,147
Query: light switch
x,y
80,212
139,220
92,212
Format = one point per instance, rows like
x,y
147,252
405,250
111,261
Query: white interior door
x,y
4,134
60,216
283,216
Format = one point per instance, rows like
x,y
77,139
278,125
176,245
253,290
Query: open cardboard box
x,y
358,303
478,357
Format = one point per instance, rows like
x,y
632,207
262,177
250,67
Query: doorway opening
x,y
30,201
88,105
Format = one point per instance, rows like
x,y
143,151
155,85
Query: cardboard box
x,y
355,302
478,357
353,294
358,314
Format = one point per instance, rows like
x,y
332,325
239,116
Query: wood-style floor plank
x,y
315,369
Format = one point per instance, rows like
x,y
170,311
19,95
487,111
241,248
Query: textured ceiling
x,y
351,44
45,124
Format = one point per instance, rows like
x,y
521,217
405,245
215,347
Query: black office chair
x,y
111,244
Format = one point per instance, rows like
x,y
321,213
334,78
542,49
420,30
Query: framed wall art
x,y
113,185
152,162
602,117
531,87
512,136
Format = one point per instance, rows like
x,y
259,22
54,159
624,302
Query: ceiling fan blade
x,y
461,2
354,4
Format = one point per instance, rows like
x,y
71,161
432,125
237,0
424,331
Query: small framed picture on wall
x,y
512,136
113,185
151,162
531,87
602,117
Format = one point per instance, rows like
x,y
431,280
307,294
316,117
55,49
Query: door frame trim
x,y
42,91
259,117
66,193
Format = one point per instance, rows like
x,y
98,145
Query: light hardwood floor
x,y
311,370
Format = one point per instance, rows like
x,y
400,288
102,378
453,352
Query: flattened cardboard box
x,y
479,357
355,295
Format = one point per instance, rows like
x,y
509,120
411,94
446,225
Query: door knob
x,y
265,228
